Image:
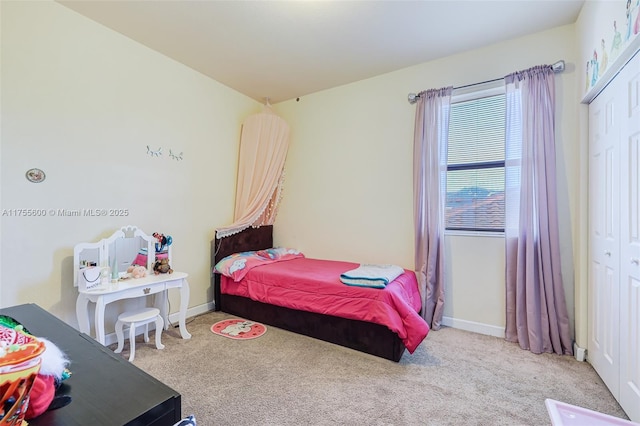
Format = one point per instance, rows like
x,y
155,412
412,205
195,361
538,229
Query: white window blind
x,y
475,165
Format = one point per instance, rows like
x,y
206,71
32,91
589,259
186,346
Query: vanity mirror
x,y
125,247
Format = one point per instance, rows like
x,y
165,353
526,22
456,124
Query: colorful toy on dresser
x,y
31,370
137,271
163,242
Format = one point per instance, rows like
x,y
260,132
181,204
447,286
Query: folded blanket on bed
x,y
376,276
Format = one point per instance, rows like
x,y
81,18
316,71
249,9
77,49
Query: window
x,y
475,165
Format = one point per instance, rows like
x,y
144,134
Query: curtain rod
x,y
558,67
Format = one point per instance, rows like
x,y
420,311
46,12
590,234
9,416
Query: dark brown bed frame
x,y
362,336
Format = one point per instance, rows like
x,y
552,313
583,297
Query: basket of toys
x,y
19,365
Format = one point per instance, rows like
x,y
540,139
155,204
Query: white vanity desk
x,y
157,285
134,287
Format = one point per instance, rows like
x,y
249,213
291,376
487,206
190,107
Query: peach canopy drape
x,y
263,150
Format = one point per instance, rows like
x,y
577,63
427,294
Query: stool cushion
x,y
139,315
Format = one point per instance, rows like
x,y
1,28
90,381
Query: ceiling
x,y
286,49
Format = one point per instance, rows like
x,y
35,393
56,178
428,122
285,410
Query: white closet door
x,y
604,228
629,91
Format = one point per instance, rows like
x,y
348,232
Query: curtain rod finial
x,y
558,66
413,98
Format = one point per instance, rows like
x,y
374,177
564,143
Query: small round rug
x,y
239,329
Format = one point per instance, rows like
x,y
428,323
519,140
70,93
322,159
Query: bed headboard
x,y
247,240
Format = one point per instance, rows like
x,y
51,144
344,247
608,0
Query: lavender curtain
x,y
536,309
429,190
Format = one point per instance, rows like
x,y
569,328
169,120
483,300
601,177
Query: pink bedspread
x,y
314,285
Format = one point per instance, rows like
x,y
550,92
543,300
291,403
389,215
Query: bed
x,y
363,335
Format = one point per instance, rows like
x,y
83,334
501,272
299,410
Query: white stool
x,y
134,319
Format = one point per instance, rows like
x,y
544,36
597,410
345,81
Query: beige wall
x,y
82,103
348,189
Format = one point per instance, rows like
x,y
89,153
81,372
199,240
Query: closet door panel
x,y
630,242
604,292
630,350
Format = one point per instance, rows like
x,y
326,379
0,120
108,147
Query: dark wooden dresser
x,y
106,389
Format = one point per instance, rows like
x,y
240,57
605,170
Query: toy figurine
x,y
162,267
163,241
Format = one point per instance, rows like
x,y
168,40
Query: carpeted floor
x,y
281,378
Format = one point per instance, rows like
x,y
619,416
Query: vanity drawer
x,y
142,290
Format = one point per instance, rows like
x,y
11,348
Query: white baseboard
x,y
579,353
476,327
174,318
191,312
